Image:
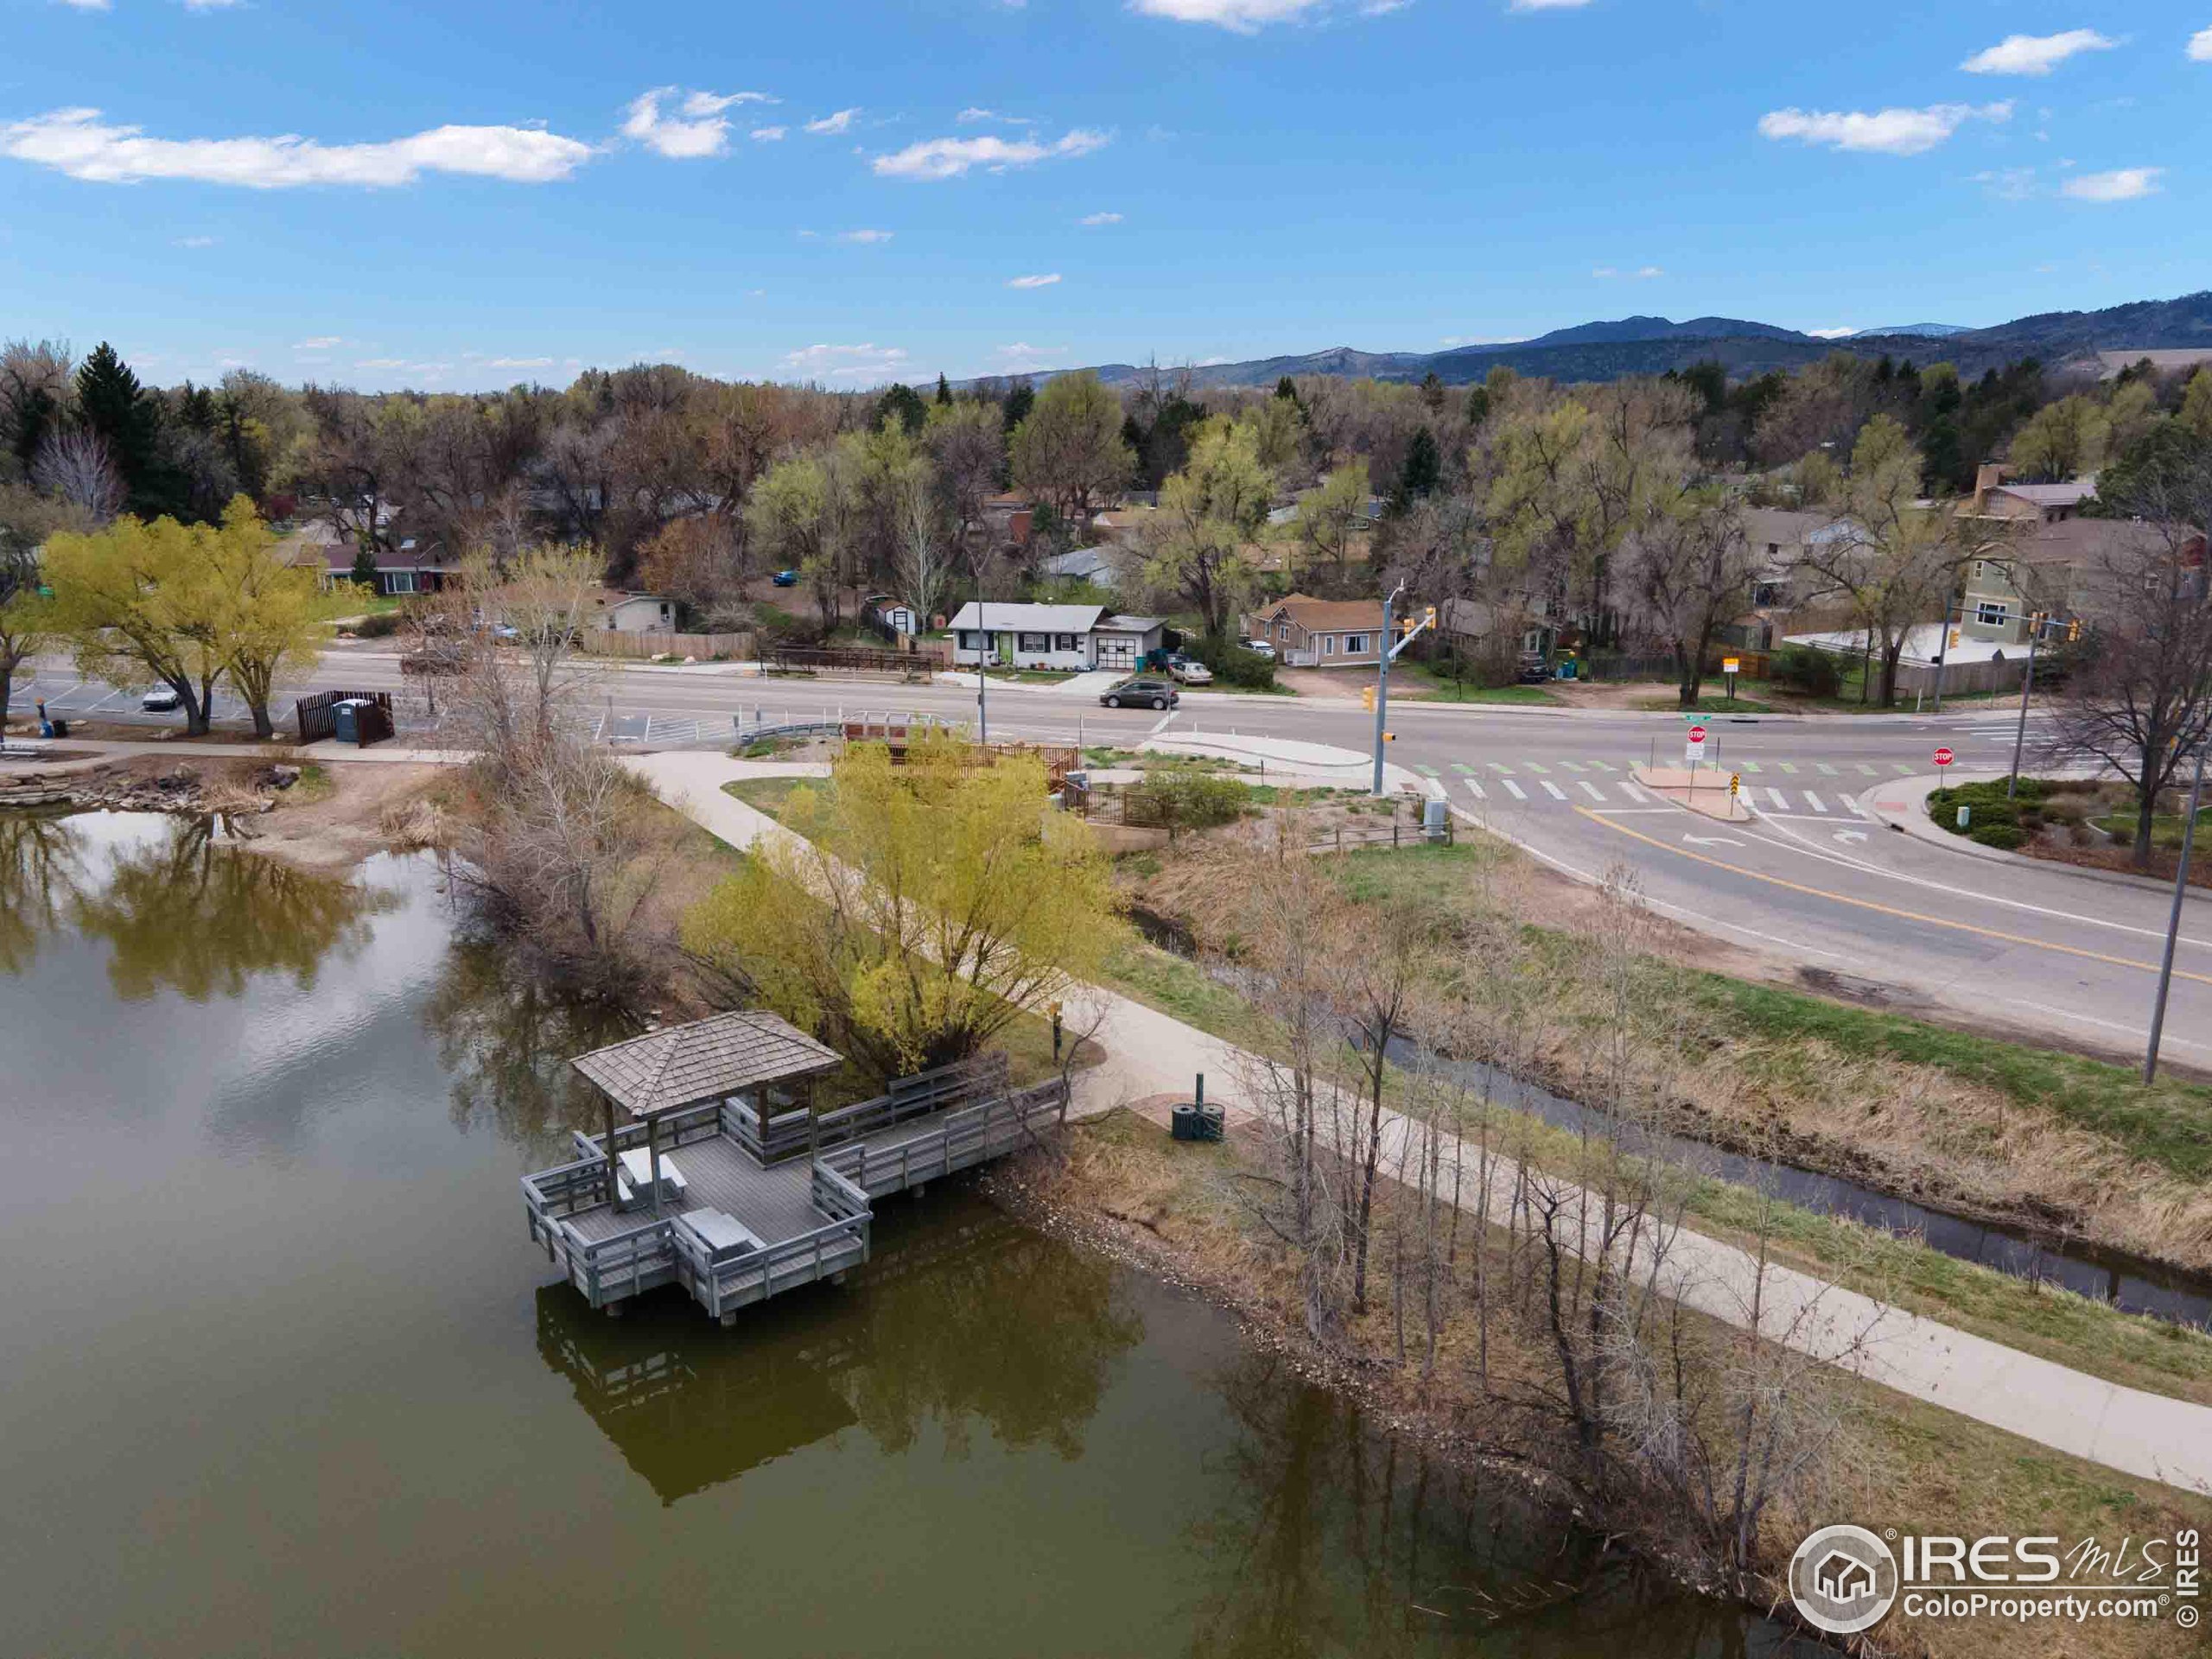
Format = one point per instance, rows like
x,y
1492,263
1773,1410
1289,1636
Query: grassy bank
x,y
1185,1209
2071,1330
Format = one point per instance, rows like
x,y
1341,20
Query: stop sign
x,y
1697,734
1944,757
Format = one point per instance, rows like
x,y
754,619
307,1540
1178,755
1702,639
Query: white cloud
x,y
210,5
1642,273
2200,47
195,242
382,363
698,128
2122,184
948,158
2011,183
1548,5
1481,340
1831,334
861,363
518,363
87,5
1100,218
2035,55
1046,280
318,343
841,122
1886,132
865,238
1022,352
973,113
77,143
1241,16
768,135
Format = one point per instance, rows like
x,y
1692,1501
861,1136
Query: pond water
x,y
284,1375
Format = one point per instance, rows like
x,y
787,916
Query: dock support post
x,y
729,1319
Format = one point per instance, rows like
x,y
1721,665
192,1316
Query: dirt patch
x,y
1344,686
345,812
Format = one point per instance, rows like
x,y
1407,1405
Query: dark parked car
x,y
1532,670
1143,694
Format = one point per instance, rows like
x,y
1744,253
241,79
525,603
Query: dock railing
x,y
965,1137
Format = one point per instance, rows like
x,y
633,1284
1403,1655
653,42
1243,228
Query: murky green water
x,y
284,1375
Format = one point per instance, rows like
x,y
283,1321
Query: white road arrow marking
x,y
1850,834
1711,841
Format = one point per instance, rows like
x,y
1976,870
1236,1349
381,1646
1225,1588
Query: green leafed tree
x,y
1194,545
1069,449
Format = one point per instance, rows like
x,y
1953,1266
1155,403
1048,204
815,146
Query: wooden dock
x,y
749,1208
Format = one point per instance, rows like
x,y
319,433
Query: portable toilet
x,y
346,719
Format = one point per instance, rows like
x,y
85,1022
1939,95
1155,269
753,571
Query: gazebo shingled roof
x,y
706,1059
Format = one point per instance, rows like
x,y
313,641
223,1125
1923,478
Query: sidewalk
x,y
1150,1053
1290,760
385,754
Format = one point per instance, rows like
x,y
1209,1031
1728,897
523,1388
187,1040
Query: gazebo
x,y
751,1053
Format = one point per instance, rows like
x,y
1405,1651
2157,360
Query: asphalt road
x,y
1813,880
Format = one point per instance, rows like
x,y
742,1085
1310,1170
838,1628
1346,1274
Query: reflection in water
x,y
176,910
505,1042
1331,1537
964,1319
42,861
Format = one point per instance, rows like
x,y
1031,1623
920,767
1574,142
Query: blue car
x,y
785,578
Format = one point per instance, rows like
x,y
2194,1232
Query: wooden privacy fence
x,y
849,659
612,642
318,718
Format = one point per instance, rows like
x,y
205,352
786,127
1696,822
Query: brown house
x,y
1309,633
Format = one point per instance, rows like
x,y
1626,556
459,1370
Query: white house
x,y
638,613
1074,637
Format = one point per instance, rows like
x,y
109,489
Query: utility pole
x,y
1383,655
2027,689
2173,923
983,680
1943,648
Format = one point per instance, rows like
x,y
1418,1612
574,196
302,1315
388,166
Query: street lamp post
x,y
2173,923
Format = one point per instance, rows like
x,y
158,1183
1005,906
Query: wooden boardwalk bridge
x,y
728,1182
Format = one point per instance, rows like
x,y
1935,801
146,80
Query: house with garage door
x,y
1309,633
1077,638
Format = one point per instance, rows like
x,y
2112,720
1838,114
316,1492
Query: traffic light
x,y
1428,617
1367,698
1389,737
2073,631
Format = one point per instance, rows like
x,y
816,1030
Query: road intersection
x,y
1813,880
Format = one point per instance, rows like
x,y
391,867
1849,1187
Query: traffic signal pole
x,y
2173,924
1382,656
2027,691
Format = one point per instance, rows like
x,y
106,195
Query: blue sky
x,y
383,194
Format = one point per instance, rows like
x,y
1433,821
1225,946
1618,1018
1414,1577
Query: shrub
x,y
1802,668
381,625
2006,835
1234,665
1186,800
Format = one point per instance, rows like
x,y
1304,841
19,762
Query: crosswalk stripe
x,y
1789,766
1900,768
1751,766
1462,768
1553,790
1475,790
1633,793
1603,766
1572,765
1816,802
1592,790
1425,772
1499,766
1781,800
1826,770
1516,791
1535,766
1865,771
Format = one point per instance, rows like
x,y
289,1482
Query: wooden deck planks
x,y
774,1203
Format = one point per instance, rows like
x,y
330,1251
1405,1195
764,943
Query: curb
x,y
1907,810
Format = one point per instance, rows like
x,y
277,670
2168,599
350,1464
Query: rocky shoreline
x,y
119,786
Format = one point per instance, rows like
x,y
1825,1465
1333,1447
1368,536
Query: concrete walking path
x,y
1149,1054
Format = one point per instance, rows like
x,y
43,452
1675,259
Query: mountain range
x,y
1607,350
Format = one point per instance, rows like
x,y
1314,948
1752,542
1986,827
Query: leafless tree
x,y
2140,699
1686,573
73,465
921,559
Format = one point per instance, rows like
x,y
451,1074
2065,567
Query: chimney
x,y
1987,477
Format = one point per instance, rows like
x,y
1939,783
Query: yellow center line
x,y
1886,910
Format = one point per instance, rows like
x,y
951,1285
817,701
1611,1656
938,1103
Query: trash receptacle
x,y
1433,824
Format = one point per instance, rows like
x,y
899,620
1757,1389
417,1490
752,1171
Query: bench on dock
x,y
771,1195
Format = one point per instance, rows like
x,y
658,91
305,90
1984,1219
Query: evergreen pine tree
x,y
943,388
1422,472
113,406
